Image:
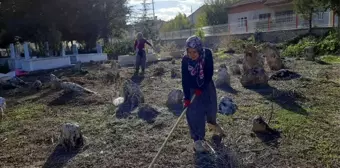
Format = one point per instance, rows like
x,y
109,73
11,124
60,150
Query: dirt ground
x,y
305,111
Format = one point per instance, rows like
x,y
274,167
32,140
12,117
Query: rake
x,y
172,130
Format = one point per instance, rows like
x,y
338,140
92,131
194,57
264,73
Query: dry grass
x,y
305,110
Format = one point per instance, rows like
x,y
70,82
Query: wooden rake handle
x,y
172,130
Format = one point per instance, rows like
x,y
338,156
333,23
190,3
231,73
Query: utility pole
x,y
153,9
146,21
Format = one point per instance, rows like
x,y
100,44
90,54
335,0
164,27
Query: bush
x,y
120,48
330,44
169,47
238,45
326,45
200,33
298,49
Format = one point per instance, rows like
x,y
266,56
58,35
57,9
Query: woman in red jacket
x,y
141,54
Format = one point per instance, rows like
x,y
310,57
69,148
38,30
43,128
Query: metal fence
x,y
290,22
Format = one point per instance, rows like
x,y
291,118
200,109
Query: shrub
x,y
298,49
120,48
200,33
330,44
169,47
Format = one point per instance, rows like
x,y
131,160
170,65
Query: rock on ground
x,y
118,101
175,98
71,136
227,106
147,113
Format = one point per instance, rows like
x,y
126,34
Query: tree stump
x,y
223,77
37,85
253,71
132,94
309,53
235,69
111,77
173,61
78,66
259,125
55,82
114,65
252,59
254,77
272,57
71,136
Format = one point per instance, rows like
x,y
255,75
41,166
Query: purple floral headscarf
x,y
195,67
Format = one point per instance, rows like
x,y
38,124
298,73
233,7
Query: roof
x,y
275,2
245,2
197,10
265,2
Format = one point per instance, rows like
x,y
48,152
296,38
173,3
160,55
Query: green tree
x,y
180,22
216,11
63,20
202,20
306,8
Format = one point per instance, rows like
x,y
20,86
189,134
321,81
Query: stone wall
x,y
273,36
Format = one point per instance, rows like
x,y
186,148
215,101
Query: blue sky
x,y
168,9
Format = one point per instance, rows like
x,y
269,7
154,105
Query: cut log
x,y
37,85
132,94
272,57
71,136
260,126
223,77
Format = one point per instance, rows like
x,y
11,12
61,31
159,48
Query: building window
x,y
242,22
284,16
319,15
264,16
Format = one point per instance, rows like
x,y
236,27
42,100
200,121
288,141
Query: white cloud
x,y
172,7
